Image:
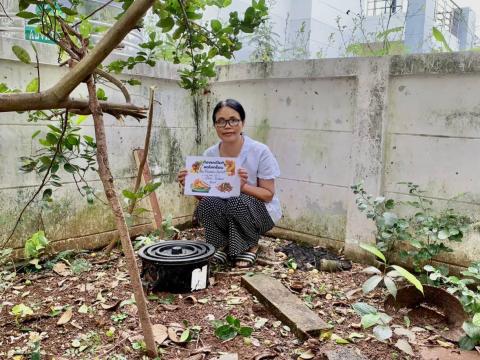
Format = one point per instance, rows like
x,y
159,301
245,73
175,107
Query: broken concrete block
x,y
284,305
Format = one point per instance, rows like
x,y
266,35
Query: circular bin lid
x,y
177,252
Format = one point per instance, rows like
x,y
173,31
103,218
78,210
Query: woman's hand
x,y
243,177
181,177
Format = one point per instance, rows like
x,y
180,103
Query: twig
x,y
141,166
92,13
5,11
38,64
44,180
187,23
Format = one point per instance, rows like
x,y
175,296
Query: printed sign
x,y
212,176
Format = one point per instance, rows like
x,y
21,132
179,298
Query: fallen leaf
x,y
196,357
405,332
167,307
235,300
85,287
265,355
160,333
260,322
203,300
190,300
173,334
444,344
83,309
339,340
350,293
66,316
307,355
61,269
112,307
100,296
404,346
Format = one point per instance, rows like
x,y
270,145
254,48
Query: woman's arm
x,y
264,190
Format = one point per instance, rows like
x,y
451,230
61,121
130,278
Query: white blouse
x,y
260,163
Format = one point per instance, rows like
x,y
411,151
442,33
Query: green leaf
x,y
129,195
476,319
371,283
81,119
382,332
68,11
389,218
101,94
467,343
32,85
185,335
372,249
364,308
390,285
26,15
85,29
245,331
409,277
21,54
134,82
34,135
437,34
471,330
216,25
70,168
225,332
443,234
166,24
369,320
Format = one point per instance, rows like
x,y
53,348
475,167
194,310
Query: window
x,y
448,16
380,7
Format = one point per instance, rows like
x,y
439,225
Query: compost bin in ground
x,y
176,266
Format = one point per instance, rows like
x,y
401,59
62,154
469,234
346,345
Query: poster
x,y
212,176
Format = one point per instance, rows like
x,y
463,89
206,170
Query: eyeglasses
x,y
223,122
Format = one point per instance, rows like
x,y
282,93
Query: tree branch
x,y
51,98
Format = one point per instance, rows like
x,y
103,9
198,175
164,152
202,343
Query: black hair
x,y
231,103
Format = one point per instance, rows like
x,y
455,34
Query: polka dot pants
x,y
234,224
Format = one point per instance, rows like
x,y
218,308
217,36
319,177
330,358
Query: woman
x,y
234,225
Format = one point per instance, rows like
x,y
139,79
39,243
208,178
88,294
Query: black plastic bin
x,y
177,266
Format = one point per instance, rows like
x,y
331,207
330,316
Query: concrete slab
x,y
440,353
344,353
284,305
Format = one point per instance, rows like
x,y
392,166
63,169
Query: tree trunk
x,y
112,196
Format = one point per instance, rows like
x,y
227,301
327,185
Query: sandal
x,y
248,257
220,257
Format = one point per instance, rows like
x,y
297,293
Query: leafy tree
x,y
70,28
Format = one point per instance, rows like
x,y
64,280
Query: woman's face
x,y
228,124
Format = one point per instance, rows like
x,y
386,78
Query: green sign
x,y
32,34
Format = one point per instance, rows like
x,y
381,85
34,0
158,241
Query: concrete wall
x,y
330,123
70,221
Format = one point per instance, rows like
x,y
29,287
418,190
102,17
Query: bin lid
x,y
177,252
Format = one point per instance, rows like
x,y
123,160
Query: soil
x,y
104,324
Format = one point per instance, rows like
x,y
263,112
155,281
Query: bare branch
x,y
5,11
115,82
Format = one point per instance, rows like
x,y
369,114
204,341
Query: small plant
x,y
388,277
35,247
169,231
118,318
190,333
372,317
79,266
426,230
291,264
21,311
472,333
141,241
139,345
229,328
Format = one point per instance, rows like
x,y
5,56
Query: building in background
x,y
335,28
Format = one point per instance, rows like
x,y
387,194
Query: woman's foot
x,y
247,258
220,257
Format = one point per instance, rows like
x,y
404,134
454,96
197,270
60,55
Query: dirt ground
x,y
98,319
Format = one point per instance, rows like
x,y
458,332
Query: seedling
x,y
229,328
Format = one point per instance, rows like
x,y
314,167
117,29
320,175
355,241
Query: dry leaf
x,y
265,355
110,306
172,334
307,355
160,333
196,357
169,307
204,349
403,345
444,344
66,316
190,300
405,332
61,269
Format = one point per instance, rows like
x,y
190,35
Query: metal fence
x,y
380,7
448,16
